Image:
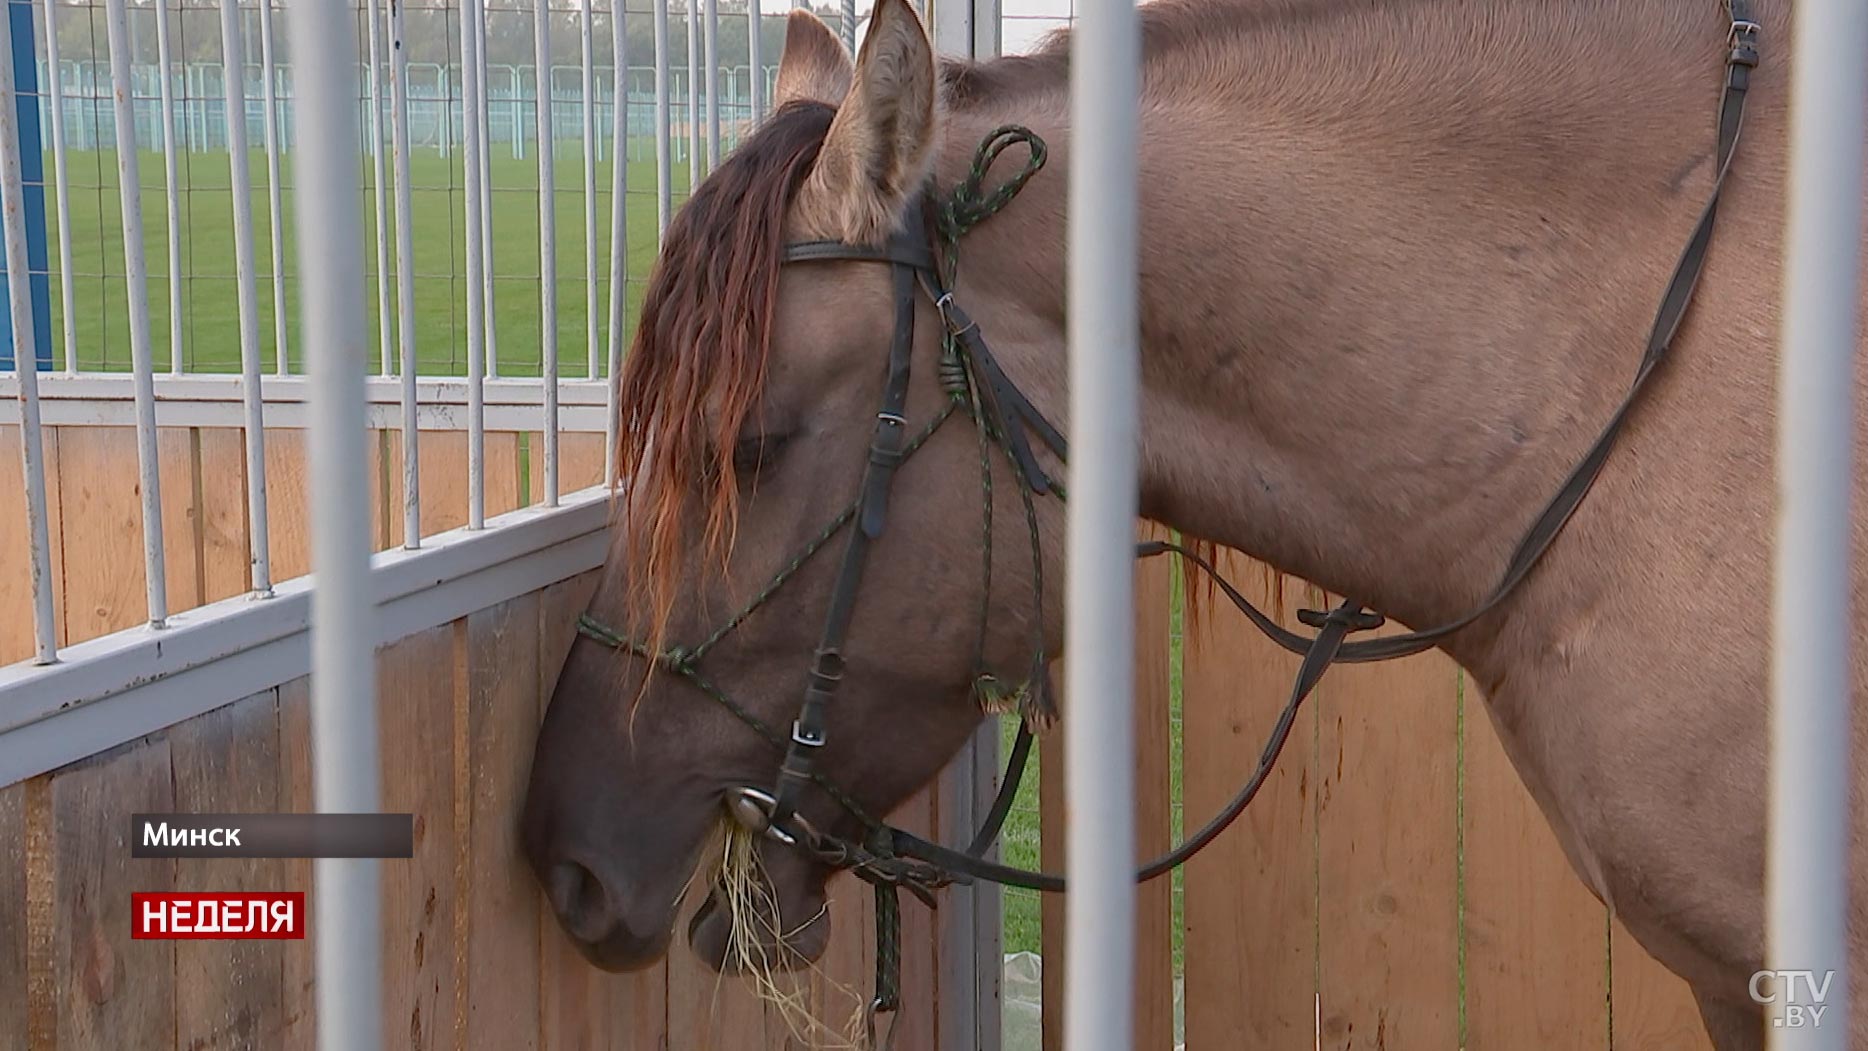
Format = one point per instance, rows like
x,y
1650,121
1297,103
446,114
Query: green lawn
x,y
209,308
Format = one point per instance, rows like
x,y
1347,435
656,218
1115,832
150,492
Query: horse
x,y
1397,264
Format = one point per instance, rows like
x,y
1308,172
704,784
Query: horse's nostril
x,y
580,902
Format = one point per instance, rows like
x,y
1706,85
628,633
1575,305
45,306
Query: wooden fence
x,y
1393,887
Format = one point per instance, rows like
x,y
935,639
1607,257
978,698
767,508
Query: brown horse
x,y
1398,262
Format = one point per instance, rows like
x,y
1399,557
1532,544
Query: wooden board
x,y
1154,946
111,993
1251,897
917,1024
1653,1007
288,510
707,1010
580,463
1536,940
444,479
16,605
299,966
225,558
1154,805
846,977
229,994
101,516
417,682
1388,850
500,917
15,944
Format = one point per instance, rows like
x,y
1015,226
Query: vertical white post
x,y
405,277
619,242
1807,876
695,147
485,156
587,56
136,280
62,183
345,768
710,40
275,196
26,355
547,245
755,60
375,15
233,56
1105,374
846,25
474,102
171,183
664,161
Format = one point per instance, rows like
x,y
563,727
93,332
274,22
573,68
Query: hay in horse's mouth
x,y
743,897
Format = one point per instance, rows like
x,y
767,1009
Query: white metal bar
x,y
484,152
1808,871
846,25
696,171
405,277
710,39
587,57
108,399
755,59
136,280
619,240
1105,373
25,355
171,184
233,53
547,243
374,13
345,762
62,182
664,149
275,193
472,86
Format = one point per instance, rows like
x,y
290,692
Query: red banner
x,y
235,914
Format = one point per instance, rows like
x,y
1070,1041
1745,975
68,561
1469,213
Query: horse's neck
x,y
1369,362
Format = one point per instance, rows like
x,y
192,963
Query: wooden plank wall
x,y
472,956
1393,886
93,493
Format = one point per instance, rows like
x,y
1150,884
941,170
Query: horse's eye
x,y
752,454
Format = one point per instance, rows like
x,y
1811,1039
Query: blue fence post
x,y
32,175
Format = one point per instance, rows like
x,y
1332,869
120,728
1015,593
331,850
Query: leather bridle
x,y
890,858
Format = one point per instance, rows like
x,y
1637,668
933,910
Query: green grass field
x,y
210,305
211,331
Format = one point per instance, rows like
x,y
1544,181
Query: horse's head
x,y
756,403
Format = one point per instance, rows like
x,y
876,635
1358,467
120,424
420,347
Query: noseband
x,y
890,858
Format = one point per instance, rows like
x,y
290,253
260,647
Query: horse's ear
x,y
814,67
880,146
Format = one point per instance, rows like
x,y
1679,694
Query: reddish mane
x,y
697,365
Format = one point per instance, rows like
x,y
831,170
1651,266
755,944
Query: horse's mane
x,y
696,368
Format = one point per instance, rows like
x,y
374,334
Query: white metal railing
x,y
183,108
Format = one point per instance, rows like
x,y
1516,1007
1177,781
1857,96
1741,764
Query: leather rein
x,y
890,858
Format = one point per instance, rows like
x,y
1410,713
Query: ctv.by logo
x,y
1795,996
